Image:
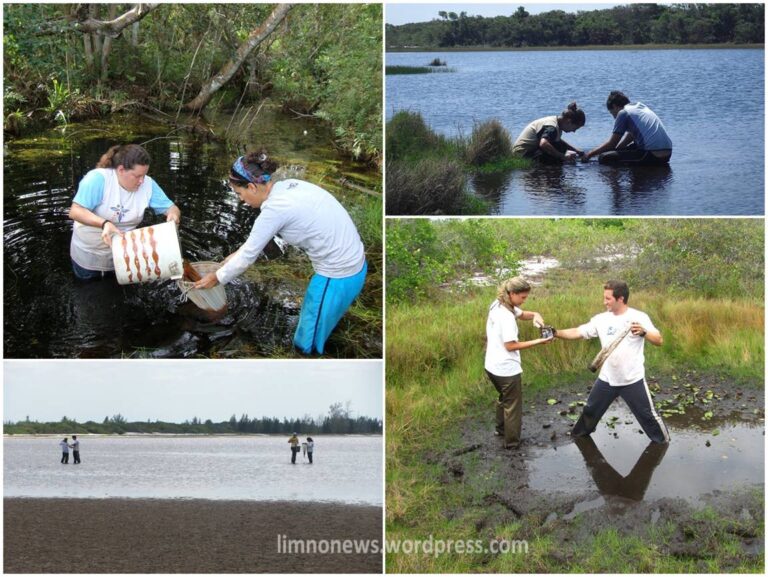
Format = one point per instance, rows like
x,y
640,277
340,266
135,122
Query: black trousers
x,y
309,454
540,156
638,399
65,458
76,456
632,156
294,452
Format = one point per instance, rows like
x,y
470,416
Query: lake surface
x,y
710,101
48,314
346,469
619,462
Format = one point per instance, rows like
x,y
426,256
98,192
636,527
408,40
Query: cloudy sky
x,y
402,13
180,390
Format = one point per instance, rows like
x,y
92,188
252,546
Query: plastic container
x,y
147,254
212,299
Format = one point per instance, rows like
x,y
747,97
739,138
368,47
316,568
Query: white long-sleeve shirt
x,y
306,216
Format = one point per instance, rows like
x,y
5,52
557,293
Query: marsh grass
x,y
429,174
489,143
428,186
418,69
435,379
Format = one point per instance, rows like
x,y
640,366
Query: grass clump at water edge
x,y
399,69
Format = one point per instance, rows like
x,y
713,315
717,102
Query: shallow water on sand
x,y
346,469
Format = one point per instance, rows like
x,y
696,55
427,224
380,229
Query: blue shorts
x,y
325,302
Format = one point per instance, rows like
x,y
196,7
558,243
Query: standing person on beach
x,y
294,441
502,355
645,141
541,139
623,372
111,199
310,448
75,449
64,445
308,217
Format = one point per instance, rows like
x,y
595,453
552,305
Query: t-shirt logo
x,y
612,331
120,211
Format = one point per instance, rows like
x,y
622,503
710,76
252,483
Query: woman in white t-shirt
x,y
111,199
502,355
309,217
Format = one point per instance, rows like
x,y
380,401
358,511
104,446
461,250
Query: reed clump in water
x,y
489,143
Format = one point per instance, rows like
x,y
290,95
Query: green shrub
x,y
709,257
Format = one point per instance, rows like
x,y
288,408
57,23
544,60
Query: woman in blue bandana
x,y
306,216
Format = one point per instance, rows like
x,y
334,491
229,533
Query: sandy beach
x,y
182,536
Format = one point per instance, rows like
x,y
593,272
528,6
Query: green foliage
x,y
326,61
58,97
698,258
339,420
329,65
489,142
622,25
708,257
422,256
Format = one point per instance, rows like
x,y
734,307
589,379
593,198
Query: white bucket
x,y
212,299
147,254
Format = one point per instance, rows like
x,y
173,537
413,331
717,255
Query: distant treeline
x,y
622,25
338,421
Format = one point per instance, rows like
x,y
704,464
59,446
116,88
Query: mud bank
x,y
698,501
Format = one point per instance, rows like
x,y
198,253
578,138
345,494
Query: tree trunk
x,y
93,10
114,27
107,46
88,50
230,68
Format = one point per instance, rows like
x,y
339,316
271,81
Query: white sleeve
x,y
588,330
645,320
266,226
509,332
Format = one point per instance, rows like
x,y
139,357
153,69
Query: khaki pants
x,y
509,407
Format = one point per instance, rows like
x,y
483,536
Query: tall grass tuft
x,y
409,137
489,143
425,187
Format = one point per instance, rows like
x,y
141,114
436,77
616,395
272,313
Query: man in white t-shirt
x,y
75,446
623,373
502,355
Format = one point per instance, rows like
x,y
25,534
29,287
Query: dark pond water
x,y
710,101
48,314
725,453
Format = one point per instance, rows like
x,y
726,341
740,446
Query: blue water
x,y
346,469
710,101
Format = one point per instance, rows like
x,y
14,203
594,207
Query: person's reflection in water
x,y
609,481
555,186
634,187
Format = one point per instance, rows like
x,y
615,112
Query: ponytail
x,y
127,155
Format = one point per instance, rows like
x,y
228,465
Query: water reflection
x,y
697,462
609,482
634,189
48,314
